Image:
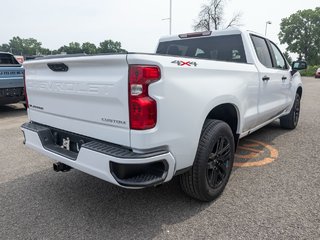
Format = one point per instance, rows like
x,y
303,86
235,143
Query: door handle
x,y
266,78
284,78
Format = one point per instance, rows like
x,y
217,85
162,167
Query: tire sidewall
x,y
220,129
296,102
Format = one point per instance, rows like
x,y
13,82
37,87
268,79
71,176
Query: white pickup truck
x,y
137,120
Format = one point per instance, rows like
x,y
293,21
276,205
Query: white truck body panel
x,y
181,131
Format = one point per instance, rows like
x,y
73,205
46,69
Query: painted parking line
x,y
253,153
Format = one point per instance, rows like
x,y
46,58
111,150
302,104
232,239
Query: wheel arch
x,y
229,113
299,91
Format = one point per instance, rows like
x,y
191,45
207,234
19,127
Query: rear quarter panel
x,y
186,94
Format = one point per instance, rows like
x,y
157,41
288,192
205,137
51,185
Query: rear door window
x,y
262,50
8,59
221,48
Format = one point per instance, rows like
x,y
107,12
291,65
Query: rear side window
x,y
262,50
8,59
221,48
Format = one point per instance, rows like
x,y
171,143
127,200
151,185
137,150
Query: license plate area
x,y
68,141
61,142
11,92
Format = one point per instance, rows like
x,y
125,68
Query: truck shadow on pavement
x,y
14,110
49,205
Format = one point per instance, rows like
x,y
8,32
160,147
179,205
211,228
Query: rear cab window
x,y
8,60
220,48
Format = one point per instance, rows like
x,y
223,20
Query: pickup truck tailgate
x,y
87,95
11,77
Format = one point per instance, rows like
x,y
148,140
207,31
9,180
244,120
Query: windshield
x,y
221,48
8,59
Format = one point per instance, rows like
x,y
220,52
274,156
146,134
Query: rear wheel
x,y
291,120
213,163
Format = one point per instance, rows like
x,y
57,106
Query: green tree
x,y
5,48
72,48
109,46
21,46
288,57
46,51
16,46
301,32
89,48
29,46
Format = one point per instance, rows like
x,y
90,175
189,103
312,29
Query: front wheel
x,y
213,163
291,120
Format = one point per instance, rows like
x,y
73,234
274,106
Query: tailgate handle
x,y
58,67
266,78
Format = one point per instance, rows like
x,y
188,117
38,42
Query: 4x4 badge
x,y
183,63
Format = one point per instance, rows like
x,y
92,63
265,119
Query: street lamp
x,y
265,32
170,18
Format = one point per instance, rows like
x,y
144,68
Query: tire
x,y
291,120
213,163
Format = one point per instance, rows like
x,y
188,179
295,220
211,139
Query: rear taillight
x,y
142,108
25,89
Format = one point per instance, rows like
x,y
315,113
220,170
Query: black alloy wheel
x,y
219,163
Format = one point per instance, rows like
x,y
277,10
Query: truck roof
x,y
228,31
5,53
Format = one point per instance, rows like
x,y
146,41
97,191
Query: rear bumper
x,y
112,163
11,95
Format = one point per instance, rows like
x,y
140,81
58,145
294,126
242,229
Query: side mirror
x,y
299,65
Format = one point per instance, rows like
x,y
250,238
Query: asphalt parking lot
x,y
273,193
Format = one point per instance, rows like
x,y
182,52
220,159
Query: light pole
x,y
267,22
170,29
170,18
